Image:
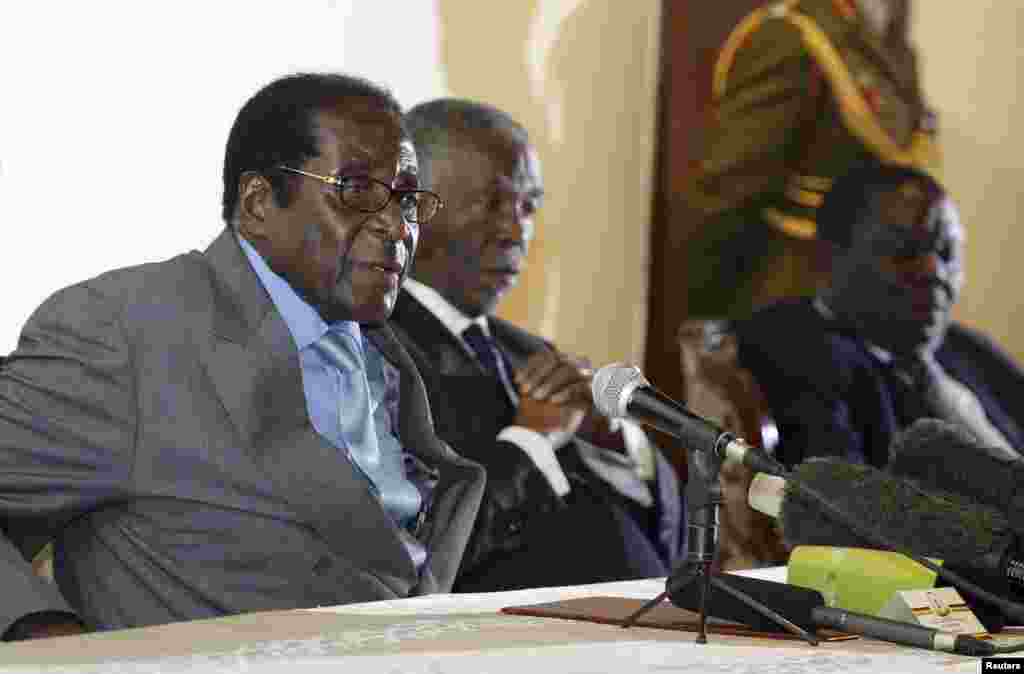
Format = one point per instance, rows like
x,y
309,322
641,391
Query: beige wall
x,y
135,100
581,75
972,65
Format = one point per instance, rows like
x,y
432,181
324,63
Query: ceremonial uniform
x,y
803,92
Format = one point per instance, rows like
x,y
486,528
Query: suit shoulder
x,y
791,340
511,335
109,295
959,335
967,343
780,320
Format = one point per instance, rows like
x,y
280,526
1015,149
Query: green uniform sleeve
x,y
754,130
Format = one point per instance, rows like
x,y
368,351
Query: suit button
x,y
514,527
322,566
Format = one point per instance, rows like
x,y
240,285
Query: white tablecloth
x,y
455,634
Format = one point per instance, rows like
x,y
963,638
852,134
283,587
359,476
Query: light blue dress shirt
x,y
322,382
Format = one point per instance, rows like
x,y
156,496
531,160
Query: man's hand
x,y
554,393
562,380
556,421
597,429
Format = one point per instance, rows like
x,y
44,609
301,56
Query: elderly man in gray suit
x,y
238,429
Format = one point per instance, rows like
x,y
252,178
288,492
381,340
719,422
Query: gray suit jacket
x,y
153,425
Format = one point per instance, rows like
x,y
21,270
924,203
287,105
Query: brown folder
x,y
612,611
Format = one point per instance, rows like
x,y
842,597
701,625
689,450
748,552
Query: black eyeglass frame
x,y
339,182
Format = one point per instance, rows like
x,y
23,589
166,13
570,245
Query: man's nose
x,y
390,224
515,224
924,268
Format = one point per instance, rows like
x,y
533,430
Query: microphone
x,y
934,523
621,391
806,608
948,457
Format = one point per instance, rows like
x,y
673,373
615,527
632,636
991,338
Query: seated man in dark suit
x,y
875,349
568,499
237,429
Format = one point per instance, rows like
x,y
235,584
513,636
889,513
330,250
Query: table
x,y
454,634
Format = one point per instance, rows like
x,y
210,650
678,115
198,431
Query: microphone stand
x,y
696,566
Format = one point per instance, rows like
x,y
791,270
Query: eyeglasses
x,y
368,195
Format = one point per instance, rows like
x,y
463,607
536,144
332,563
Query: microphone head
x,y
928,439
932,523
612,387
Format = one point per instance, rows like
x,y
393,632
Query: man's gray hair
x,y
431,124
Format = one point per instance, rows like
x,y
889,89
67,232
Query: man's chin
x,y
375,313
476,304
361,305
486,303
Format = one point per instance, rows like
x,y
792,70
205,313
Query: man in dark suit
x,y
875,350
238,429
569,500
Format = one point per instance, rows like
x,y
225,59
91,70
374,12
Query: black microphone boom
x,y
621,391
806,608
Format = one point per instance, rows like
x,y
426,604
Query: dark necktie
x,y
488,355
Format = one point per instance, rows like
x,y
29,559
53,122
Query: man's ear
x,y
255,200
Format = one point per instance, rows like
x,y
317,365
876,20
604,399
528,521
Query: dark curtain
x,y
692,32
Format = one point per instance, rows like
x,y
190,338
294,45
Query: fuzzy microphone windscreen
x,y
947,457
927,522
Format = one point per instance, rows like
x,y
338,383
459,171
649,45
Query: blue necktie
x,y
488,355
385,474
354,413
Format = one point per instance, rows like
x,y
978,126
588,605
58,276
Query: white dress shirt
x,y
539,447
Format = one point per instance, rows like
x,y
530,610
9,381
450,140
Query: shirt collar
x,y
303,321
826,312
451,317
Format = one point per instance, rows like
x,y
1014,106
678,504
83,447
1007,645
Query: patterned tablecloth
x,y
453,634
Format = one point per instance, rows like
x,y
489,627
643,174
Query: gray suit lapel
x,y
255,369
415,424
460,488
